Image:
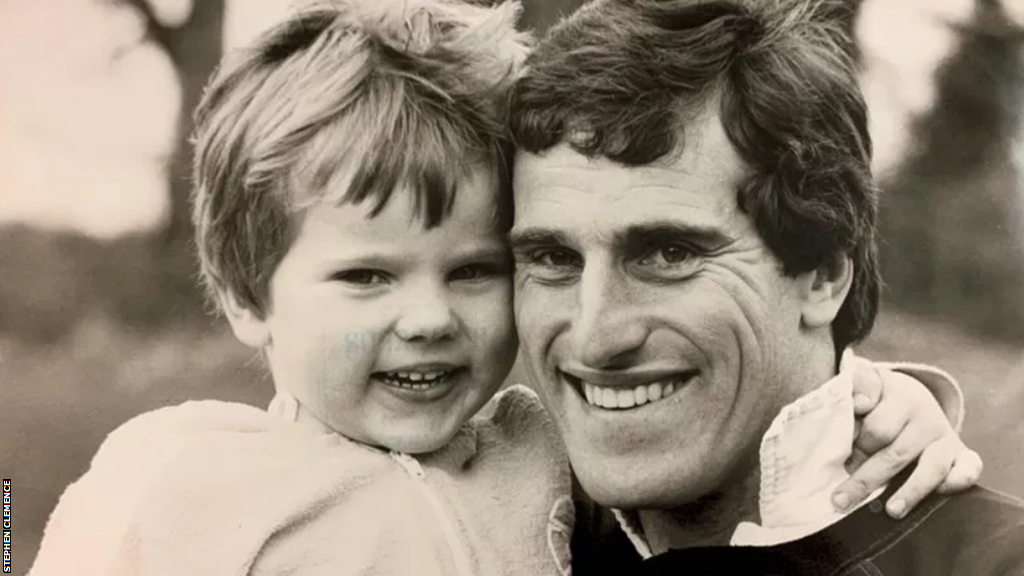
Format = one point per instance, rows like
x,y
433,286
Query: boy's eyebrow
x,y
364,259
485,252
488,251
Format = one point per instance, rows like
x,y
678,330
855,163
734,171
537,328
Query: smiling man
x,y
695,242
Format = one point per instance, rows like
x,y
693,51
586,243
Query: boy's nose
x,y
427,320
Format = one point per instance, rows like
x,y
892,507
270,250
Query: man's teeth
x,y
628,397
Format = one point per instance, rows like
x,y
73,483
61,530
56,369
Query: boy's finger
x,y
855,461
876,471
965,473
882,426
867,388
931,471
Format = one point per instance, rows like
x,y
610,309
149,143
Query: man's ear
x,y
246,323
825,290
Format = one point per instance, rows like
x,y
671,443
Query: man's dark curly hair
x,y
620,78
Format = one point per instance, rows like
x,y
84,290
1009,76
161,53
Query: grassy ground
x,y
59,401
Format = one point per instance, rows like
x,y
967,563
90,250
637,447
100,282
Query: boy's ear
x,y
825,290
247,325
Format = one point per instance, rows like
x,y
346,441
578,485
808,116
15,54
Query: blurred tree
x,y
952,240
195,48
149,281
92,115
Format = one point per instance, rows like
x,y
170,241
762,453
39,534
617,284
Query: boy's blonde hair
x,y
343,102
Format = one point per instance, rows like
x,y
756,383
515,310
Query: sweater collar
x,y
455,455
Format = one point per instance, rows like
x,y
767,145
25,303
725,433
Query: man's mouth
x,y
624,398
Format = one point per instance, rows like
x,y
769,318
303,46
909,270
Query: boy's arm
x,y
90,531
909,412
146,499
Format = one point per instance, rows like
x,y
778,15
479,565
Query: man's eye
x,y
362,277
555,258
667,256
550,265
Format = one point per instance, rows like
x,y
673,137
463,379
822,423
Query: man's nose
x,y
428,316
606,332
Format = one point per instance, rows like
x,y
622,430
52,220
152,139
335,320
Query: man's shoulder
x,y
992,506
987,523
978,516
978,531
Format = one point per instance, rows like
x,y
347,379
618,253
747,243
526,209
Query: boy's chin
x,y
417,445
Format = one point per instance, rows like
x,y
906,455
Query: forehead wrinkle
x,y
677,173
553,171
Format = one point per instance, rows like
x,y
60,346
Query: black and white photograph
x,y
512,287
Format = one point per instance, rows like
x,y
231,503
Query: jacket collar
x,y
802,457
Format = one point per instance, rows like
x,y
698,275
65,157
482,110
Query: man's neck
x,y
709,521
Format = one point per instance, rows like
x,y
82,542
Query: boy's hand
x,y
901,421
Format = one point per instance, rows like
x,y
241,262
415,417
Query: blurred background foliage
x,y
100,317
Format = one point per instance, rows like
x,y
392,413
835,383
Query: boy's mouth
x,y
418,379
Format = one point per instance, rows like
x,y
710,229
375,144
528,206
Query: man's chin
x,y
629,492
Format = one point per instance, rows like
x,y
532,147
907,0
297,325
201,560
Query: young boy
x,y
353,195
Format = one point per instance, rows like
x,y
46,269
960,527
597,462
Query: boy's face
x,y
388,333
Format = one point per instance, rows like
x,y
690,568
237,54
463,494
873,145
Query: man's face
x,y
657,325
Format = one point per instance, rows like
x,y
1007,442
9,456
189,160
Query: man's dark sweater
x,y
973,533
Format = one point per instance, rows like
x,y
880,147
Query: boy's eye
x,y
361,277
476,271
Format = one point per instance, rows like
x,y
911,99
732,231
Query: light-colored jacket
x,y
223,489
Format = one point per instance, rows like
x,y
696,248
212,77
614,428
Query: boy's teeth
x,y
627,397
414,380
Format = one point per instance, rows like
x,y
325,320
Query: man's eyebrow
x,y
706,236
525,237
